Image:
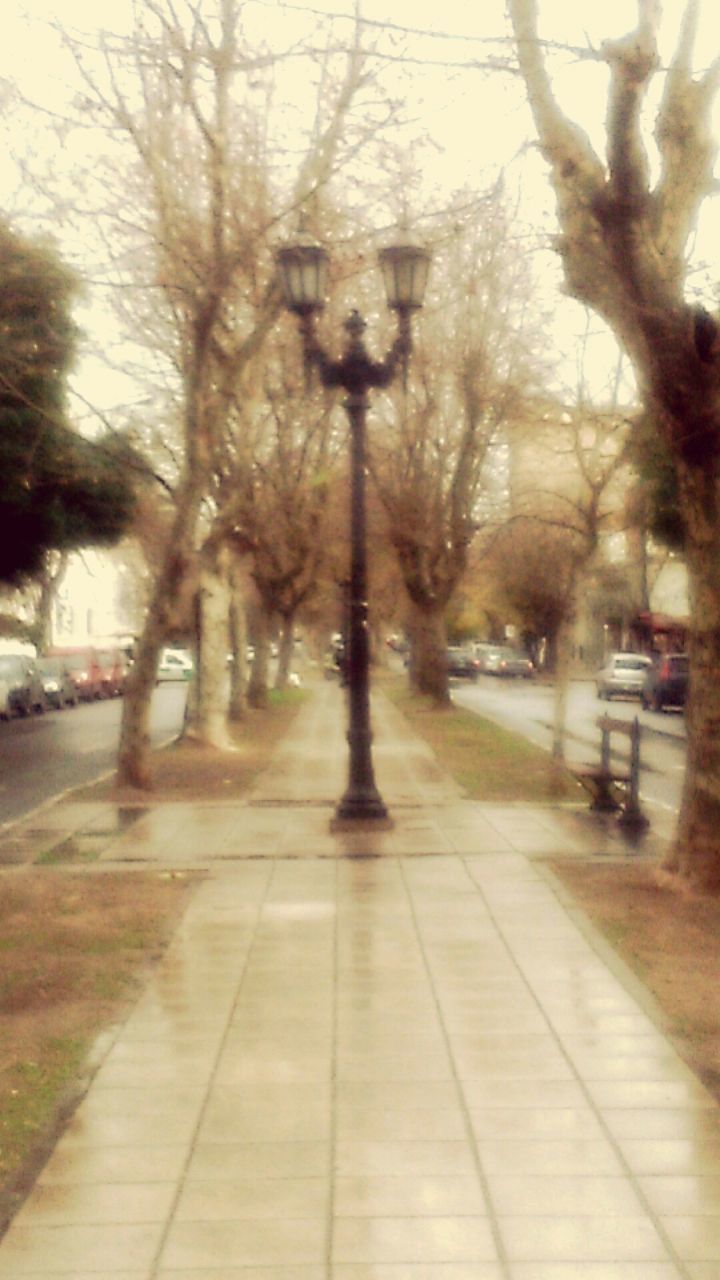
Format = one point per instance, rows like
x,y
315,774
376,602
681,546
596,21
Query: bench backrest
x,y
608,725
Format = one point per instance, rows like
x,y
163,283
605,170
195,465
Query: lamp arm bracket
x,y
314,354
399,353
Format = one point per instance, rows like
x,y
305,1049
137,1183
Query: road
x,y
527,708
41,756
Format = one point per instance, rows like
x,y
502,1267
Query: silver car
x,y
623,675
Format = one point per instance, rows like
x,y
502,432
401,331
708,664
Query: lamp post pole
x,y
356,373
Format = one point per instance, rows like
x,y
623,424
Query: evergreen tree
x,y
59,491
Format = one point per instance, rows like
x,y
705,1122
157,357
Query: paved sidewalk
x,y
389,1057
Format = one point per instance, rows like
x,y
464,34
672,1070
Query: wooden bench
x,y
612,788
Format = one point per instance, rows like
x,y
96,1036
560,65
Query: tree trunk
x,y
285,655
210,725
52,575
562,683
237,704
134,750
428,660
696,851
257,693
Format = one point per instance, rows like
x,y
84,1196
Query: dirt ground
x,y
670,939
74,950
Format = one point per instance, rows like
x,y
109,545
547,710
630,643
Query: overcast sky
x,y
477,123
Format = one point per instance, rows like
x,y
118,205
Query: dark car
x,y
666,682
461,663
22,684
58,684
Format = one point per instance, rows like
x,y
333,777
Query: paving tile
x,y
227,1160
586,1239
114,1164
409,1158
283,1272
145,1273
231,1199
417,1271
672,1155
558,1195
417,1196
441,1239
249,1243
674,1092
365,1123
60,1204
527,1122
684,1196
597,1271
663,1122
550,1156
695,1239
59,1249
230,1118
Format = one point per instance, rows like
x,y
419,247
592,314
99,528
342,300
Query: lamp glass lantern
x,y
405,269
303,270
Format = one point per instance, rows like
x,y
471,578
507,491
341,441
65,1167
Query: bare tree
x,y
624,248
569,478
206,191
428,462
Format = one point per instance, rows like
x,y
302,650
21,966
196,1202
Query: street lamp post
x,y
303,268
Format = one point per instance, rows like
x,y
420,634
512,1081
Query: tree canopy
x,y
60,491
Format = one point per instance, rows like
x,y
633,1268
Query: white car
x,y
622,675
175,664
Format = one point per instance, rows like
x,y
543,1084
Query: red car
x,y
84,668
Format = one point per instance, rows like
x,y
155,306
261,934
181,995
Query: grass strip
x,y
489,762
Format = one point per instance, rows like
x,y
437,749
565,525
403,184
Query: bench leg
x,y
603,800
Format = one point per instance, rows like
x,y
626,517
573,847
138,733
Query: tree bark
x,y
212,679
237,704
134,750
428,662
285,654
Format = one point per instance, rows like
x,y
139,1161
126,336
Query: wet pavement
x,y
399,1055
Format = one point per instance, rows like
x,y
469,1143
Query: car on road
x,y
23,684
505,661
461,663
666,682
58,683
622,675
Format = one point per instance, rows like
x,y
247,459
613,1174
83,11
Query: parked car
x,y
175,664
481,650
24,686
461,663
666,682
84,668
504,661
622,675
58,683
